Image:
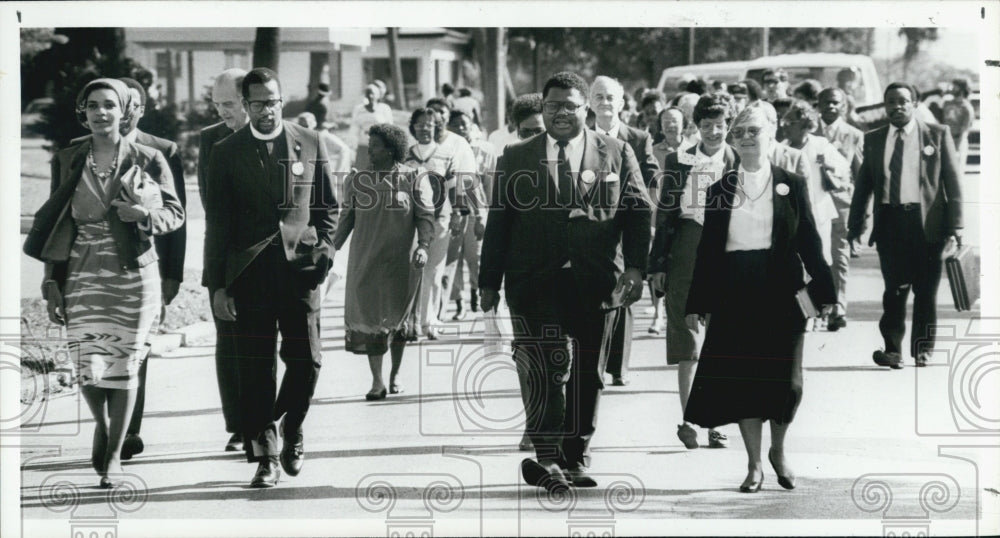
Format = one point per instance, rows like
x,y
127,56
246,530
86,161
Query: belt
x,y
901,207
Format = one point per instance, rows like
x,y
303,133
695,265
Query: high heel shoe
x,y
753,486
786,481
375,396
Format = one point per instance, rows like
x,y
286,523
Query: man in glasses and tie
x,y
568,236
909,167
268,248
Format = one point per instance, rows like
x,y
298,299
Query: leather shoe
x,y
618,381
688,436
891,359
267,474
132,446
235,443
577,474
292,455
544,474
922,359
836,323
787,480
717,439
752,484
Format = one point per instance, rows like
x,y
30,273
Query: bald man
x,y
228,103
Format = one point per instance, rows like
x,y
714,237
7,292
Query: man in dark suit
x,y
909,167
170,247
228,103
568,235
607,98
269,248
849,141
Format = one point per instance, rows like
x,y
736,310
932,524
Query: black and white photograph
x,y
500,268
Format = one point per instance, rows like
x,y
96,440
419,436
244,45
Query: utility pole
x,y
766,41
494,89
691,46
395,69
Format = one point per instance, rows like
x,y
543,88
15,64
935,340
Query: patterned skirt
x,y
111,311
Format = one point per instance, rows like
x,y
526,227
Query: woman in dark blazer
x,y
758,234
109,198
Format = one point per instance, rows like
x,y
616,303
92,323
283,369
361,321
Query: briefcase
x,y
963,277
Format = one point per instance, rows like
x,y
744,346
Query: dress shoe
x,y
525,445
717,440
544,474
752,484
618,381
431,333
577,475
267,474
395,388
891,359
474,301
688,436
292,455
376,395
235,443
657,327
786,480
836,323
922,359
459,313
132,446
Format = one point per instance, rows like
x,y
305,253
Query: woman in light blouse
x,y
758,233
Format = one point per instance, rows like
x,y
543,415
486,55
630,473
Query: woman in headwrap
x,y
368,113
109,197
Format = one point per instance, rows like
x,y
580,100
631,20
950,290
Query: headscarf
x,y
115,85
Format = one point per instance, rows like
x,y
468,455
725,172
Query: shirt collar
x,y
715,159
571,145
132,136
907,129
267,137
613,131
836,123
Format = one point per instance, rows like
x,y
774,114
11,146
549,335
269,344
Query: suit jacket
x,y
208,137
53,230
171,247
850,142
529,237
789,159
668,211
248,210
940,192
794,243
641,143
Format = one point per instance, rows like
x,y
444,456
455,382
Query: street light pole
x,y
766,41
691,46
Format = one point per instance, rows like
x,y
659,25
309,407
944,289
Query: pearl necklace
x,y
92,163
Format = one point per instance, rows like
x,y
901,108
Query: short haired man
x,y
582,192
317,105
526,113
958,114
269,249
775,83
228,103
910,169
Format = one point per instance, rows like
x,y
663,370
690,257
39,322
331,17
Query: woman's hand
x,y
694,322
658,281
55,303
420,257
129,212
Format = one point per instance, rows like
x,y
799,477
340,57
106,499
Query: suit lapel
x,y
594,157
126,158
924,139
878,155
781,209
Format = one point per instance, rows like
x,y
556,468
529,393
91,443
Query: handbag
x,y
963,277
498,331
138,188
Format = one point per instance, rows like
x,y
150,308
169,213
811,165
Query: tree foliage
x,y
267,48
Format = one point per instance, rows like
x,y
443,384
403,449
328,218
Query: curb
x,y
162,344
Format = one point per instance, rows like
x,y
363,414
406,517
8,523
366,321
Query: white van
x,y
727,72
824,68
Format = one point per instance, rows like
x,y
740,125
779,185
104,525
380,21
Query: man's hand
x,y
950,247
129,212
479,229
420,257
169,287
488,299
55,303
658,281
223,305
853,236
457,225
694,322
630,283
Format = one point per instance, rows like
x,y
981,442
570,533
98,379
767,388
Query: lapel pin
x,y
611,178
588,176
298,168
781,189
928,150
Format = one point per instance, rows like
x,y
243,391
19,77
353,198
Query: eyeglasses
x,y
424,125
739,132
552,107
258,106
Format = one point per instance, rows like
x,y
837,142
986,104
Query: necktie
x,y
565,180
896,169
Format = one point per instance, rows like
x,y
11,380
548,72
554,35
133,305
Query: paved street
x,y
443,455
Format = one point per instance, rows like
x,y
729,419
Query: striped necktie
x,y
896,169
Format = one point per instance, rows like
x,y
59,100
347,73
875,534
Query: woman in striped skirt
x,y
109,197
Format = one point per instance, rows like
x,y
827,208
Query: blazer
x,y
850,142
641,143
668,211
171,247
940,192
248,210
794,243
789,159
207,138
53,230
528,237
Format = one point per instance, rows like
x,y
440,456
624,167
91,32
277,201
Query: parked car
x,y
32,113
671,77
824,67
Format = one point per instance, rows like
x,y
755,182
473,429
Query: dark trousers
x,y
561,346
621,343
227,374
270,297
907,261
140,400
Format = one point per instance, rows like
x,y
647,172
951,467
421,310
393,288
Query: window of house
x,y
237,58
378,68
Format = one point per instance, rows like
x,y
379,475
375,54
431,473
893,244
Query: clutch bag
x,y
138,188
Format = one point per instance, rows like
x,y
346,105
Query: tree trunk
x,y
267,48
317,60
493,79
395,69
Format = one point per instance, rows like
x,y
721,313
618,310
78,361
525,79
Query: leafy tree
x,y
914,37
267,48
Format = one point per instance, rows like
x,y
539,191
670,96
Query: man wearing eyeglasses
x,y
568,236
269,246
775,84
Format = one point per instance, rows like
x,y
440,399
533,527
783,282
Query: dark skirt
x,y
751,362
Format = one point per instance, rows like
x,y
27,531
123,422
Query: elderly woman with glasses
x,y
748,278
95,235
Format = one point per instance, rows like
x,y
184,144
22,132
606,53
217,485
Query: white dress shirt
x,y
706,170
830,129
612,132
574,154
909,182
752,218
